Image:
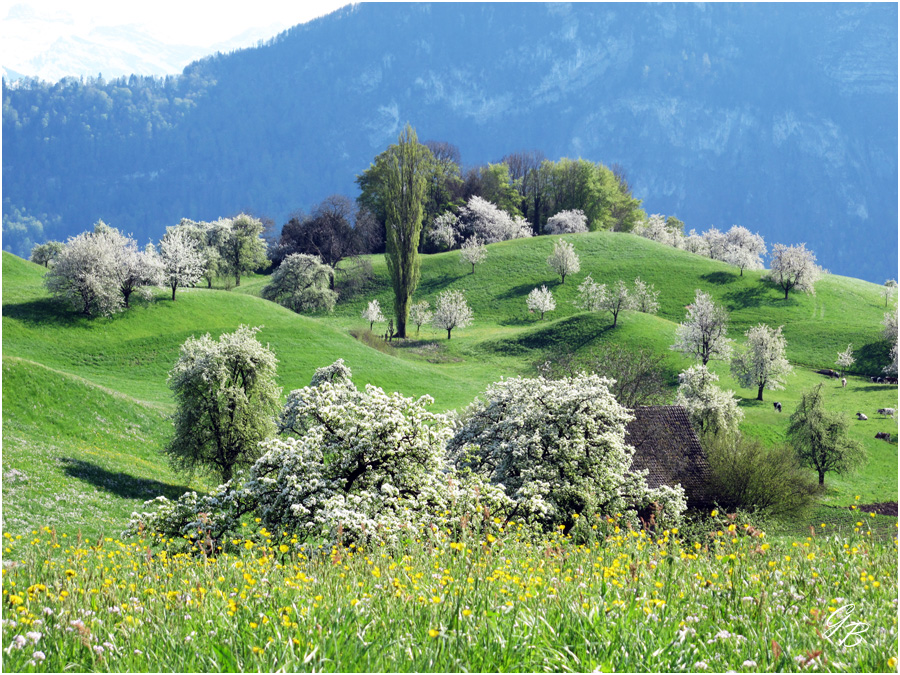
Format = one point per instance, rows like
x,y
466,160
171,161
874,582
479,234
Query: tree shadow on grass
x,y
119,483
435,285
46,311
520,291
720,278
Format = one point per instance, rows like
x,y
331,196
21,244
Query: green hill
x,y
86,400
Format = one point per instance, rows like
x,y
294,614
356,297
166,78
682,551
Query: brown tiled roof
x,y
665,444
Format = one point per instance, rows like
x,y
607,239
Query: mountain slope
x,y
781,118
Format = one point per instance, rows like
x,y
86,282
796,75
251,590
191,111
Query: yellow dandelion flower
x,y
467,612
714,513
283,548
433,633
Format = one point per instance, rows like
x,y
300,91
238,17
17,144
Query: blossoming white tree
x,y
226,402
645,297
595,297
372,313
443,233
420,313
182,260
302,283
762,363
86,274
889,326
703,333
489,223
744,249
794,268
695,243
564,260
557,448
714,240
541,300
567,222
44,254
710,408
451,311
845,359
472,252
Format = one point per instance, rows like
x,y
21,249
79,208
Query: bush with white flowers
x,y
557,448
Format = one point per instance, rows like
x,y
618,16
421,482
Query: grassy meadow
x,y
86,409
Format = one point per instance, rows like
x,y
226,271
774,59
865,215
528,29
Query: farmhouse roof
x,y
665,444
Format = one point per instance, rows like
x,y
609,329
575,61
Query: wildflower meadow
x,y
602,597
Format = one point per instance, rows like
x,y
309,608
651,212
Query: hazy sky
x,y
29,27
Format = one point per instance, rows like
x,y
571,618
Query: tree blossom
x,y
556,448
564,260
889,326
443,233
420,313
372,313
182,261
595,297
451,311
490,224
763,363
794,268
888,290
744,249
541,300
86,274
715,243
709,407
472,252
845,359
567,222
645,297
44,254
703,333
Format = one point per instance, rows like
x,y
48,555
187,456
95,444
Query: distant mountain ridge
x,y
781,118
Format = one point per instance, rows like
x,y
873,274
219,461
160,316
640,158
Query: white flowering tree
x,y
695,243
44,254
710,408
704,332
715,244
183,262
472,252
845,359
86,274
567,222
657,228
541,300
420,313
891,368
645,297
564,261
595,297
490,224
889,326
443,233
451,311
744,249
137,270
762,363
302,283
372,313
557,448
226,401
794,268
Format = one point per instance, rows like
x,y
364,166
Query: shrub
x,y
745,474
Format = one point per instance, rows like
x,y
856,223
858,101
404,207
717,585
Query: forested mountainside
x,y
778,117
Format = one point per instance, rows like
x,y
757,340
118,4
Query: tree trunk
x,y
401,327
759,394
473,268
237,279
821,477
448,333
127,295
174,286
226,473
786,291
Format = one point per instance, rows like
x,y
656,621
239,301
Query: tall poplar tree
x,y
401,176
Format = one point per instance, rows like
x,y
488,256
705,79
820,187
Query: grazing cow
x,y
886,412
843,381
884,435
860,416
777,406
